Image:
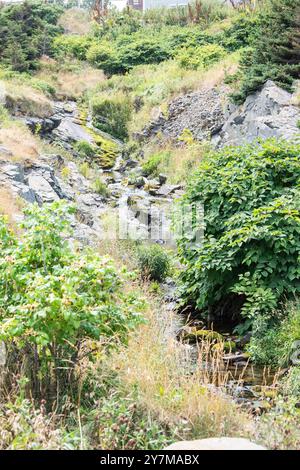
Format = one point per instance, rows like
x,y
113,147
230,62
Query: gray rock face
x,y
267,113
40,182
201,112
42,126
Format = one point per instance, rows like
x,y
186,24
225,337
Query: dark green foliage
x,y
128,51
201,56
26,33
154,262
275,48
241,33
151,166
249,260
85,149
275,340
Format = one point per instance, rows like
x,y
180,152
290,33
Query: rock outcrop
x,y
208,114
41,182
269,112
217,443
201,112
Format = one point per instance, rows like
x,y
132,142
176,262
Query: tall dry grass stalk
x,y
19,141
160,369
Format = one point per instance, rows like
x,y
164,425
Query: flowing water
x,y
150,215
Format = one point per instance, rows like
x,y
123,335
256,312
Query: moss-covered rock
x,y
106,149
227,346
194,335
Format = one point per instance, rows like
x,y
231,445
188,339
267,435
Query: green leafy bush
x,y
104,56
275,338
71,45
53,299
153,261
151,166
291,383
101,188
111,113
241,33
201,56
248,261
126,52
275,48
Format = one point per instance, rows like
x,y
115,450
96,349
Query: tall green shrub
x,y
275,49
26,32
249,258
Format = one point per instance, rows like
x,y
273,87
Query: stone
x,y
41,187
5,152
26,193
238,357
162,179
194,334
216,443
14,172
201,112
166,190
269,112
69,131
139,182
42,126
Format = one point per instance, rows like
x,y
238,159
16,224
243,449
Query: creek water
x,y
251,386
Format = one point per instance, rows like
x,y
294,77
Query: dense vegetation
x,y
249,258
54,299
26,33
275,48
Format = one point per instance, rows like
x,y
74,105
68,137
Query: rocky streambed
x,y
142,209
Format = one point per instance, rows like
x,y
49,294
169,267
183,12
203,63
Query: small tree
x,y
54,300
275,53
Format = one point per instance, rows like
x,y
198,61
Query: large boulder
x,y
216,443
269,112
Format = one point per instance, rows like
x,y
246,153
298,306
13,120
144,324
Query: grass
x,y
153,86
10,205
177,162
19,141
155,365
70,80
23,99
100,187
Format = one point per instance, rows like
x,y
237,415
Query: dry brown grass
x,y
159,367
71,81
19,141
24,100
296,96
10,206
76,21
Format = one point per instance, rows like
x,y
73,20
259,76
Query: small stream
x,y
148,205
